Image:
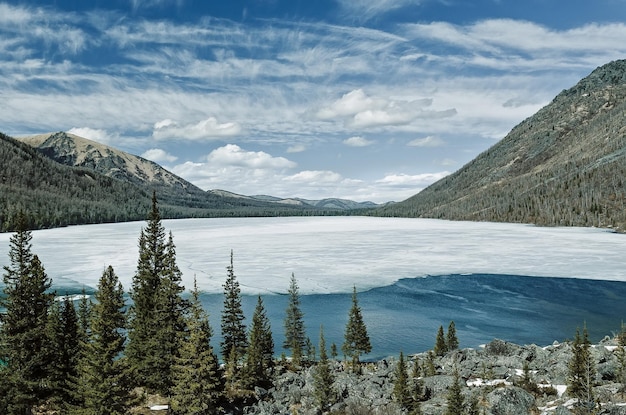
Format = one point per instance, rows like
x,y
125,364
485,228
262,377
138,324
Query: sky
x,y
358,99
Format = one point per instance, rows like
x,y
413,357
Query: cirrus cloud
x,y
204,130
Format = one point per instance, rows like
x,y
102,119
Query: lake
x,y
516,282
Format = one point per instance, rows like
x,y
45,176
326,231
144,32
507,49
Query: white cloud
x,y
94,134
414,181
349,104
159,156
203,130
363,10
357,141
429,141
315,177
233,155
296,148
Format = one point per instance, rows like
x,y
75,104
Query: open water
x,y
406,315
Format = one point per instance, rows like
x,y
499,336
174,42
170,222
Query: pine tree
x,y
103,385
401,391
295,337
582,373
143,323
429,369
156,316
260,354
234,342
356,339
417,388
441,347
323,379
64,349
197,387
452,342
170,311
23,335
455,403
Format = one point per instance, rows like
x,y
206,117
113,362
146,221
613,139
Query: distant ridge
x,y
565,165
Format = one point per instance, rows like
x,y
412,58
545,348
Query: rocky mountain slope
x,y
565,165
76,151
72,181
328,203
492,377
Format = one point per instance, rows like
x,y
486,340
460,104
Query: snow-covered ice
x,y
331,254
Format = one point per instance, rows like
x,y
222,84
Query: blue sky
x,y
359,99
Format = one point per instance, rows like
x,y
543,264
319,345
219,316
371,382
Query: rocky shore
x,y
492,376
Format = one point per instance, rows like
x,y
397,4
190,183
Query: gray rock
x,y
510,401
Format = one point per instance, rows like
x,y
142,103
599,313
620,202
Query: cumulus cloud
x,y
414,181
297,148
233,155
315,177
359,110
357,141
203,130
429,141
159,156
94,134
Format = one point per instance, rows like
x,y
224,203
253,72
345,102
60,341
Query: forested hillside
x,y
53,194
563,166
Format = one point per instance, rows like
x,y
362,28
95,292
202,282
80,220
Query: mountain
x,y
61,179
329,203
565,165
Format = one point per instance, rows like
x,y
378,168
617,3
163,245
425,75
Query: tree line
x,y
103,356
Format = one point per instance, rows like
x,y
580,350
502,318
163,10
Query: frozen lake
x,y
331,254
516,282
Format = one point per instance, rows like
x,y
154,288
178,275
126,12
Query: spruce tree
x,y
197,387
23,334
401,390
454,400
356,339
452,342
323,379
156,314
260,354
103,385
441,347
582,373
64,348
295,337
170,311
234,341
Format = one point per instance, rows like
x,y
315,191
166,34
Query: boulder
x,y
510,401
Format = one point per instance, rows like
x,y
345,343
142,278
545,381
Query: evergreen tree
x,y
429,369
260,355
356,339
323,379
452,342
621,358
156,316
333,351
197,387
417,387
234,342
441,347
401,390
582,373
170,312
23,334
455,404
295,337
64,348
103,386
84,316
143,323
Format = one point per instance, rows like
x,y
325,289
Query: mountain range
x,y
565,165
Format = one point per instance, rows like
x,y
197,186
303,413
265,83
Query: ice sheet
x,y
331,254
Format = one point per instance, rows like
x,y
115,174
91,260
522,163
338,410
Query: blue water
x,y
405,316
